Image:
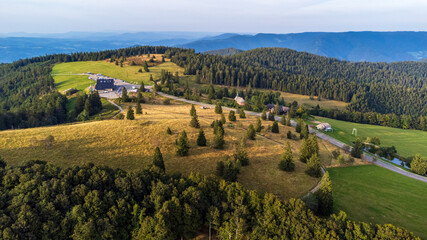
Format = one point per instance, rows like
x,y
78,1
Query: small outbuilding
x,y
324,126
239,100
104,84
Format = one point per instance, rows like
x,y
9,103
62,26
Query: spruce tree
x,y
251,133
223,121
145,66
195,122
232,116
242,113
138,109
218,141
193,110
142,88
283,120
218,108
357,148
264,115
312,167
289,134
182,145
201,139
275,127
299,126
169,131
158,159
304,132
324,196
277,109
258,125
125,97
286,160
288,121
130,115
241,155
271,117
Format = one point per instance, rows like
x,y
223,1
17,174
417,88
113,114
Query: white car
x,y
105,91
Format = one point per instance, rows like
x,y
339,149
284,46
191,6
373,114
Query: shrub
x,y
336,153
232,116
286,162
167,101
275,127
201,139
251,133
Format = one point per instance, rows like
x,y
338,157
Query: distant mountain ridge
x,y
351,46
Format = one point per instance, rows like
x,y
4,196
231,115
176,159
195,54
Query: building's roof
x,y
239,99
323,126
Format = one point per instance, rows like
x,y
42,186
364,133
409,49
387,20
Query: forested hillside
x,y
42,201
399,88
28,97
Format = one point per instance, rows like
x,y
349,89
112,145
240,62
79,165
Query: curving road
x,y
321,135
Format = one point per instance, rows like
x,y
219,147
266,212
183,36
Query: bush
x,y
336,153
201,139
289,134
242,113
341,159
357,148
218,108
120,116
232,116
286,162
251,133
227,170
169,131
275,127
167,101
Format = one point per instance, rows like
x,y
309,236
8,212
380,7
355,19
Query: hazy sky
x,y
275,16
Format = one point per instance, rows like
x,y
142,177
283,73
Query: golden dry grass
x,y
129,145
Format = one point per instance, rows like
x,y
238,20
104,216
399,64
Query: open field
x,y
289,97
373,194
127,73
130,144
407,142
79,82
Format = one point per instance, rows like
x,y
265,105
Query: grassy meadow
x,y
127,72
129,145
374,194
407,142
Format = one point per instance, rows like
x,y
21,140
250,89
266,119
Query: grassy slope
x,y
129,145
373,194
407,142
127,73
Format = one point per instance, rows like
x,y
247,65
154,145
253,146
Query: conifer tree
x,y
145,66
242,113
142,88
182,145
169,131
125,97
193,110
258,125
264,115
223,121
232,116
324,196
218,141
277,109
304,132
312,167
138,109
201,139
158,159
218,108
283,120
195,122
241,155
286,160
299,126
271,117
130,115
251,133
288,121
275,127
357,149
289,134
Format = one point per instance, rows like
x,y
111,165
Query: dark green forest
x,y
43,201
399,88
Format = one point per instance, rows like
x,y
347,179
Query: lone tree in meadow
x,y
218,141
130,115
251,133
169,131
313,168
158,159
232,116
304,132
218,108
241,156
275,127
223,121
357,148
182,145
193,111
324,196
138,109
242,113
258,125
309,147
286,160
201,138
195,122
419,165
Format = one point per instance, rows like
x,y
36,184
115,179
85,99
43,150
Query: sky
x,y
240,16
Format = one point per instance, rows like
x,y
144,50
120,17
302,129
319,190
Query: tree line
x,y
44,201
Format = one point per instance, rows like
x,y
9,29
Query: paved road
x,y
321,135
